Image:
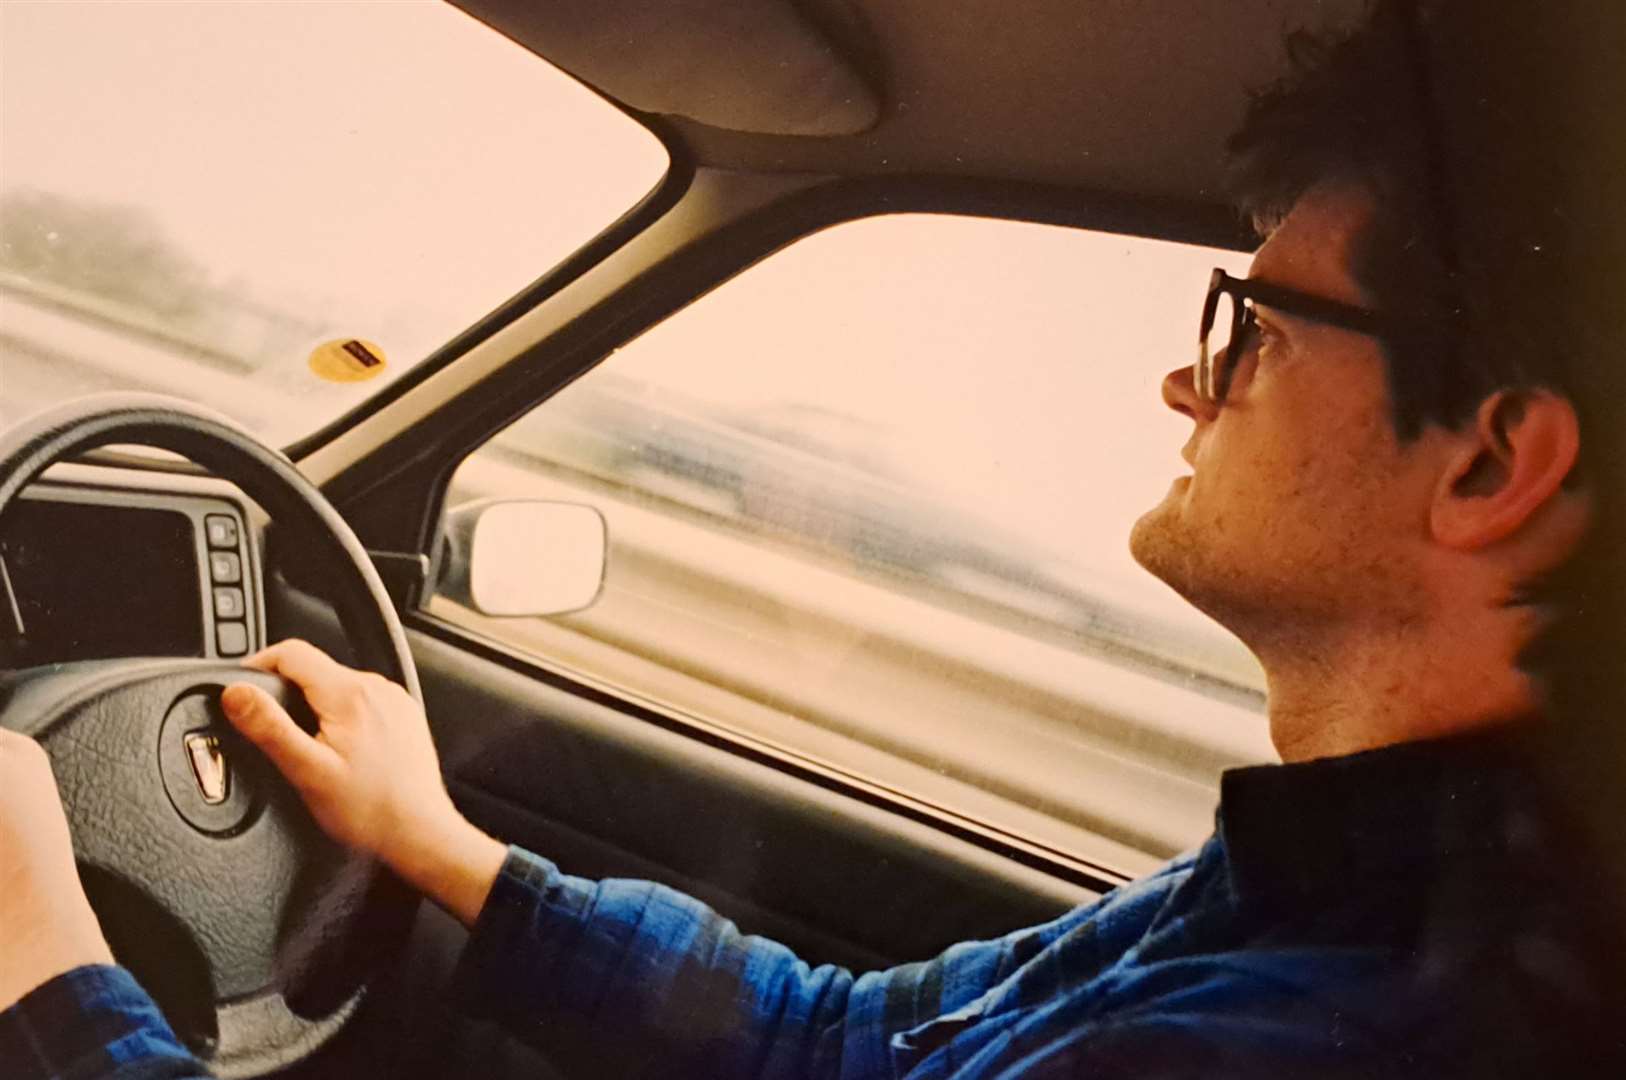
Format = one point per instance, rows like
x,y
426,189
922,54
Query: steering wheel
x,y
255,932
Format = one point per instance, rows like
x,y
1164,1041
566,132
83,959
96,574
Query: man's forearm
x,y
35,955
46,924
81,1017
646,978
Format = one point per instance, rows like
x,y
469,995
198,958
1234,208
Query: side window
x,y
868,504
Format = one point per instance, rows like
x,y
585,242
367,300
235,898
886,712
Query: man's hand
x,y
370,776
46,925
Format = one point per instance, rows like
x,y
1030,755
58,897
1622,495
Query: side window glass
x,y
867,505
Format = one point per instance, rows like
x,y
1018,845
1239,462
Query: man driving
x,y
1387,511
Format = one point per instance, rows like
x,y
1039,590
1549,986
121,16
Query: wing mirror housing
x,y
514,558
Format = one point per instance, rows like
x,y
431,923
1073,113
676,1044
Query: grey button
x,y
224,567
228,603
231,638
221,530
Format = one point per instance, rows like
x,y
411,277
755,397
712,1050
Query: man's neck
x,y
1362,691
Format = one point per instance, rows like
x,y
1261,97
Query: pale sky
x,y
376,158
398,170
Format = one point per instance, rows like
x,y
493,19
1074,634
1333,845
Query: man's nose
x,y
1180,394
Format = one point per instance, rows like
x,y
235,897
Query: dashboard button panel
x,y
230,602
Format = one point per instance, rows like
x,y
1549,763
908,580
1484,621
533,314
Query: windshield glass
x,y
275,209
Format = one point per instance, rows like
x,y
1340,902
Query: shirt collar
x,y
1384,816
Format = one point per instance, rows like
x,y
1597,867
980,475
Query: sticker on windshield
x,y
347,360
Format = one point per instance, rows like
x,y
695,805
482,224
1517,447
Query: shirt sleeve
x,y
92,1023
651,977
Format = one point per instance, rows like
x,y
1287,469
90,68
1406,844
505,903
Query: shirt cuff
x,y
509,944
93,1021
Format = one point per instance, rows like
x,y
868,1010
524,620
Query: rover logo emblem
x,y
208,767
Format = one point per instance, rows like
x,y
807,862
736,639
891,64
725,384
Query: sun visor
x,y
754,66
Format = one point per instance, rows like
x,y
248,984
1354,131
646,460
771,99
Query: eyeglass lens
x,y
1217,351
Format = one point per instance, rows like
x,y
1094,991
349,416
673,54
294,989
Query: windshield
x,y
276,209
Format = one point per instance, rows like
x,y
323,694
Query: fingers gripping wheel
x,y
255,932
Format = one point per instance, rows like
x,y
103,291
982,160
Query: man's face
x,y
1302,511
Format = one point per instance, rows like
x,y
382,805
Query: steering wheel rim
x,y
358,907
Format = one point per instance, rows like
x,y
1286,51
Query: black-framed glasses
x,y
1230,327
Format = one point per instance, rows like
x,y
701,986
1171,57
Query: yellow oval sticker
x,y
347,360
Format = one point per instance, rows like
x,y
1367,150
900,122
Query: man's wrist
x,y
34,955
452,863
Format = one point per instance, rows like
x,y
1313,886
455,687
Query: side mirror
x,y
523,557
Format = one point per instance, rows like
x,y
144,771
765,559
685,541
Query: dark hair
x,y
1471,235
1357,110
1493,150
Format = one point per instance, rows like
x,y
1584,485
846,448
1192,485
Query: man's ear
x,y
1509,463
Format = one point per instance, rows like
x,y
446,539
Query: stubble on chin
x,y
1154,543
1168,549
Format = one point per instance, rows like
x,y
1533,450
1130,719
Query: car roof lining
x,y
759,67
1117,99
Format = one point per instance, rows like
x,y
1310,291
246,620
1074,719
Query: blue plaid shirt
x,y
1405,912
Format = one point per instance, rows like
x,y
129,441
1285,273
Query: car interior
x,y
779,120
